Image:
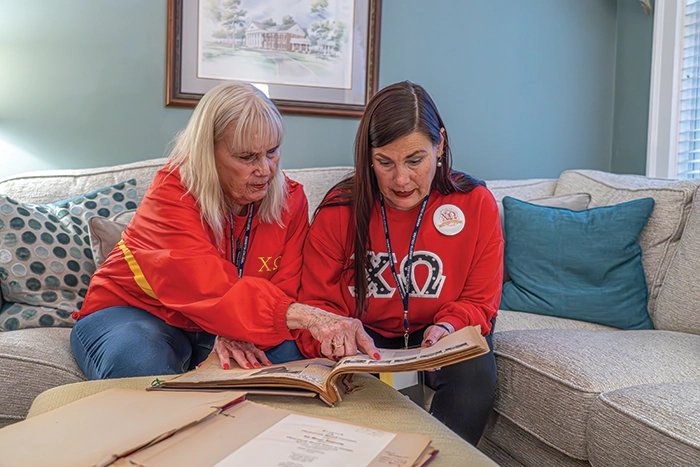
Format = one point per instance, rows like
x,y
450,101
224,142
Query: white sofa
x,y
569,392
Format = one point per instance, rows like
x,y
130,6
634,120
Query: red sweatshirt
x,y
457,278
168,264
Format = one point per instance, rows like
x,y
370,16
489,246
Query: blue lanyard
x,y
408,268
238,258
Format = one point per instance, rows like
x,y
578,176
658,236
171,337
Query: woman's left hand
x,y
434,333
246,354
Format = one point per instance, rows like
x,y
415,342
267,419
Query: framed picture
x,y
313,57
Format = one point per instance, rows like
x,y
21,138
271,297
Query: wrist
x,y
446,326
295,316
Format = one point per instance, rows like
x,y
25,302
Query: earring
x,y
439,162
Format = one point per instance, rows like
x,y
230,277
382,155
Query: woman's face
x,y
245,175
405,169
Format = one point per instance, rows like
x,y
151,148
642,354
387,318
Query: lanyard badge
x,y
238,257
408,268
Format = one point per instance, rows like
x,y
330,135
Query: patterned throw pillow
x,y
45,255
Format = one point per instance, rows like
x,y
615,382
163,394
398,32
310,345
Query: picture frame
x,y
311,57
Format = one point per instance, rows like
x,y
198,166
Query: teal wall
x,y
526,88
632,80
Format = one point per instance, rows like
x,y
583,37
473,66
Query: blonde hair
x,y
256,119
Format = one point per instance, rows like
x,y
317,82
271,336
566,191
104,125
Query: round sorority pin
x,y
449,219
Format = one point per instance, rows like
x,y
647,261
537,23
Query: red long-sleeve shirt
x,y
169,265
457,278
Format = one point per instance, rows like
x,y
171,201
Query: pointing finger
x,y
366,344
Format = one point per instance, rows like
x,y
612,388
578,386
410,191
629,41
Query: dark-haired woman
x,y
411,248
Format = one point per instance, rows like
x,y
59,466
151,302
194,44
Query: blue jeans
x,y
124,341
464,392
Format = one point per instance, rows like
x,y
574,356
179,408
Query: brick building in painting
x,y
289,37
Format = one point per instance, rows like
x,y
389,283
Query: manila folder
x,y
99,429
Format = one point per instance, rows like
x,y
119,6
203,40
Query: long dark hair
x,y
396,111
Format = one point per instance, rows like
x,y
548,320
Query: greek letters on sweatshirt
x,y
169,265
457,278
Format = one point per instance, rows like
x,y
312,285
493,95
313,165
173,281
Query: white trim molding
x,y
662,141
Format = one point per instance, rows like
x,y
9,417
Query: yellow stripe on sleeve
x,y
136,270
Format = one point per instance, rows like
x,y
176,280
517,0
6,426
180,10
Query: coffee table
x,y
375,404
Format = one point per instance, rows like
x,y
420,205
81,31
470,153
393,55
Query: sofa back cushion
x,y
522,189
317,182
660,238
678,304
49,186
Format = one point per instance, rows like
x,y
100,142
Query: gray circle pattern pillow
x,y
45,255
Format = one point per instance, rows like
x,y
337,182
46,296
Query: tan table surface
x,y
376,404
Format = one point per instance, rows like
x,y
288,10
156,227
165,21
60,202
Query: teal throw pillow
x,y
45,257
584,265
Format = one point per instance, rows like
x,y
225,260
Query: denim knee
x,y
123,342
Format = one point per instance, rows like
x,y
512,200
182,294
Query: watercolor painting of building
x,y
289,37
286,42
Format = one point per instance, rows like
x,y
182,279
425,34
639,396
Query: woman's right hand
x,y
339,336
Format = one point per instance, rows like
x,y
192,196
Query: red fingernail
x,y
269,362
249,365
377,356
226,366
199,365
256,364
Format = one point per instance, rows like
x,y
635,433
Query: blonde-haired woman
x,y
213,249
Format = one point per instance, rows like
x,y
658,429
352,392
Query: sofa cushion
x,y
508,320
32,361
678,304
583,265
106,233
522,189
549,379
659,423
508,445
317,182
45,255
660,237
47,186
